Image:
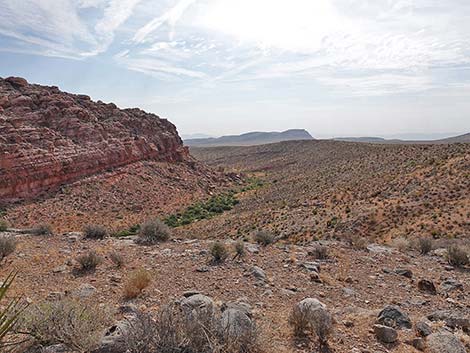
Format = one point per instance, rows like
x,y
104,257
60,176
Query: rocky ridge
x,y
49,138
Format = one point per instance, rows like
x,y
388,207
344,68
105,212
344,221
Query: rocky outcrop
x,y
49,138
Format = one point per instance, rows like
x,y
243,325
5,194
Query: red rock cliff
x,y
49,138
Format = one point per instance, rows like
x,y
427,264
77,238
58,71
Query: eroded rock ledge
x,y
49,138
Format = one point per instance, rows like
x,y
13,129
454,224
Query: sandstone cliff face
x,y
49,138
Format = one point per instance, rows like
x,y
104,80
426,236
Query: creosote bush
x,y
264,238
89,261
153,232
424,245
136,283
173,331
218,252
319,252
42,229
457,256
93,231
239,248
7,246
117,259
77,324
318,322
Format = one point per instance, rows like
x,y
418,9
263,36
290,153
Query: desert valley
x,y
116,237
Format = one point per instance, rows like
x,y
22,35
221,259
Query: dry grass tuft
x,y
136,283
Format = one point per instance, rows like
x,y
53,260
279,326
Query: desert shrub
x,y
42,229
318,322
359,243
239,248
93,231
171,331
3,225
401,244
78,324
319,252
136,283
89,261
153,232
219,252
7,246
264,238
117,259
457,256
424,245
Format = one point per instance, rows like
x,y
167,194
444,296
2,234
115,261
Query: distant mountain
x,y
195,136
456,139
251,138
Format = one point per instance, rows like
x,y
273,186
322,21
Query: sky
x,y
334,67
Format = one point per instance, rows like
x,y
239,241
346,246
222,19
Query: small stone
x,y
258,273
385,334
404,272
427,286
423,329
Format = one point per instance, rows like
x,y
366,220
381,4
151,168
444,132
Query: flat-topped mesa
x,y
49,138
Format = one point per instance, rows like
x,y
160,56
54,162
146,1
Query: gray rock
x,y
196,303
236,320
443,342
392,316
450,285
385,334
258,273
308,306
56,348
86,290
311,266
252,248
404,272
453,319
378,249
60,269
114,339
423,329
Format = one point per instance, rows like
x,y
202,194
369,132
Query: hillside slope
x,y
329,188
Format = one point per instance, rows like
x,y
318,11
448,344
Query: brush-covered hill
x,y
331,188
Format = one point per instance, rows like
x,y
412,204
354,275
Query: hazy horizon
x,y
333,67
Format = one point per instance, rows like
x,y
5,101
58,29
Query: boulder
x,y
452,318
443,342
236,320
197,303
392,316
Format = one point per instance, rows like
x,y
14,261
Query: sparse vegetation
x,y
172,331
75,323
89,261
264,238
457,256
117,259
93,231
400,243
318,322
203,210
425,245
153,231
239,248
136,283
7,246
219,252
3,225
42,229
319,252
